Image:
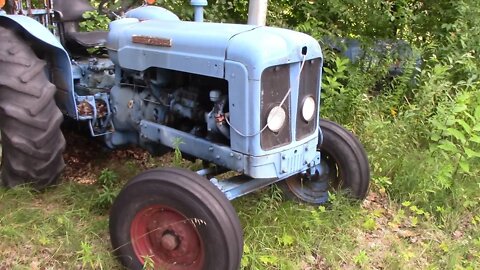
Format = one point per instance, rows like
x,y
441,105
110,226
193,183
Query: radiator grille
x,y
309,86
275,85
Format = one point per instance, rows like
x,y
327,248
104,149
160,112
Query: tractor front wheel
x,y
175,219
32,142
344,168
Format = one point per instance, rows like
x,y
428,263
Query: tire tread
x,y
29,118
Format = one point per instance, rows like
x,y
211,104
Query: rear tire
x,y
177,219
32,142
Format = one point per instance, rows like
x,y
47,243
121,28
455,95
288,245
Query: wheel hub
x,y
168,238
170,241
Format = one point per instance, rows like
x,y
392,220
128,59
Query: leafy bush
x,y
94,21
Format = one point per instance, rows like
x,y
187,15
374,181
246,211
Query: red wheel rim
x,y
169,239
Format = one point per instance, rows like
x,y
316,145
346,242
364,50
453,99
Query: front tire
x,y
177,220
32,142
345,164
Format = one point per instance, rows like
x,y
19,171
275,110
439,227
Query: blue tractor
x,y
241,98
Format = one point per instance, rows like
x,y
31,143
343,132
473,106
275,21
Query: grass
x,y
65,227
52,229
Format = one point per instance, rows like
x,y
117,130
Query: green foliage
x,y
108,192
88,258
361,258
335,97
105,198
94,21
421,129
177,157
148,264
369,224
278,234
107,178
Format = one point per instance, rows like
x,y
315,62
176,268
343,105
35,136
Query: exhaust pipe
x,y
257,12
198,9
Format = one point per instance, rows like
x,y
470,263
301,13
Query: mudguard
x,y
43,40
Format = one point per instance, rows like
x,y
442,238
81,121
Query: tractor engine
x,y
190,103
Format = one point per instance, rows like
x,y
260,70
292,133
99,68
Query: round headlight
x,y
276,118
308,109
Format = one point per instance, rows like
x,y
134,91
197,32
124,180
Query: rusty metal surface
x,y
153,41
85,109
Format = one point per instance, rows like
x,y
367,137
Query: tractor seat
x,y
88,39
69,13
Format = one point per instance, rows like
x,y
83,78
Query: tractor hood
x,y
184,46
203,48
269,46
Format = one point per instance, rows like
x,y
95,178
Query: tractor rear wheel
x,y
32,142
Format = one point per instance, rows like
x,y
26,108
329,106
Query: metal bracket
x,y
238,186
96,110
188,143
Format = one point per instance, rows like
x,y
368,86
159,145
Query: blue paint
x,y
197,48
151,13
279,165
